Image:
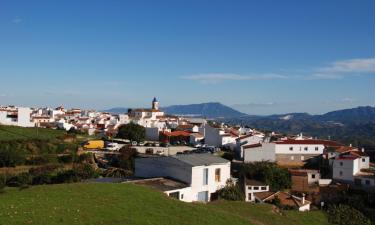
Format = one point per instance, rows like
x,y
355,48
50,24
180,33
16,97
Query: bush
x,y
2,183
346,215
65,159
85,171
231,192
11,157
21,180
228,156
270,173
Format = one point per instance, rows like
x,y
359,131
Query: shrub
x,y
85,171
21,180
231,192
346,215
65,159
228,156
270,173
2,183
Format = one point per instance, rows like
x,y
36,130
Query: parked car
x,y
134,143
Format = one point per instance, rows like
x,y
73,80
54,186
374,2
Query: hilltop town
x,y
199,160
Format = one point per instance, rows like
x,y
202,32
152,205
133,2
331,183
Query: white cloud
x,y
16,20
349,100
339,69
213,78
366,65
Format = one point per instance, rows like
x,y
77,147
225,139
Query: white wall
x,y
299,149
250,191
344,166
213,186
264,153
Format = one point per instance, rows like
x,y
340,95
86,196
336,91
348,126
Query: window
x,y
292,158
306,148
217,175
368,182
182,196
264,188
341,163
316,148
250,188
302,158
256,188
340,173
363,160
313,176
205,176
291,148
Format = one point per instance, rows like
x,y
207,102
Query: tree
x,y
270,173
118,173
132,132
231,192
346,215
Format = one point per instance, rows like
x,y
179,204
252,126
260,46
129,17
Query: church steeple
x,y
155,104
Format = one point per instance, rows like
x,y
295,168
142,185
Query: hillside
x,y
208,110
350,126
129,204
8,133
359,114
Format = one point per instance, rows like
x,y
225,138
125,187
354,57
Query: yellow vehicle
x,y
94,144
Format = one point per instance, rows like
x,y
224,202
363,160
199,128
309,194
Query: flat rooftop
x,y
161,184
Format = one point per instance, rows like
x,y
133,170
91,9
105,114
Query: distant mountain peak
x,y
207,110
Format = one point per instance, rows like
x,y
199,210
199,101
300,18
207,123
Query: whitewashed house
x,y
252,187
218,137
354,168
16,116
204,174
246,140
287,151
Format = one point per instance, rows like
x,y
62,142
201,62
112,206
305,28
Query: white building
x,y
247,140
287,151
16,116
354,168
252,187
218,137
204,174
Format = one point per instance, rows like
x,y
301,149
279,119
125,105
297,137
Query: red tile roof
x,y
177,134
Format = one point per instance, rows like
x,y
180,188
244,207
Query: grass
x,y
130,204
10,133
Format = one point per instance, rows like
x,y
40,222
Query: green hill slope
x,y
8,133
129,204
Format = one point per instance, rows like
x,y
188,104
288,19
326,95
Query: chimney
x,y
303,199
363,149
350,145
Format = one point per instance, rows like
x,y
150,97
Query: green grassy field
x,y
130,204
9,133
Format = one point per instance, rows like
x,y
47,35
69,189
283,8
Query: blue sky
x,y
262,57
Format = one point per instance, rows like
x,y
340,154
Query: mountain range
x,y
350,126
